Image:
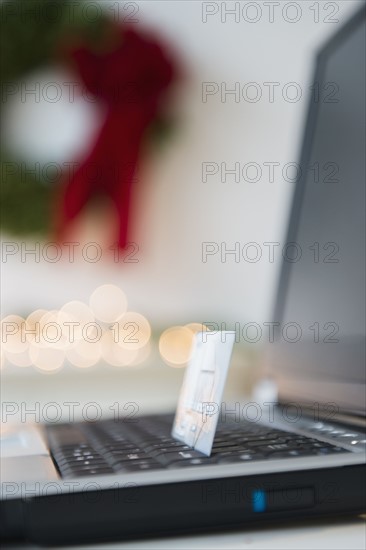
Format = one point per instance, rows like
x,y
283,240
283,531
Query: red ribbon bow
x,y
130,79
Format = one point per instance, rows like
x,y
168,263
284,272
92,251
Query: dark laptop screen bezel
x,y
288,388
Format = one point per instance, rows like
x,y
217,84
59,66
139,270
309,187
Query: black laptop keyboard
x,y
109,446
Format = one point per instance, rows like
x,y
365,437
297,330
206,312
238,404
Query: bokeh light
x,y
84,354
49,331
197,327
47,359
12,334
142,355
132,331
78,334
114,354
75,312
175,345
32,325
108,303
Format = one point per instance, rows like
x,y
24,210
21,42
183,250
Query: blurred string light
x,y
84,354
48,358
132,331
46,340
126,343
86,334
142,355
32,324
175,343
197,327
14,347
11,334
108,303
50,333
75,317
114,354
80,334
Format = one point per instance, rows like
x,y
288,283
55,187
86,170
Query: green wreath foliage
x,y
31,32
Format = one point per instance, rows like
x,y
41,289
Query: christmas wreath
x,y
125,69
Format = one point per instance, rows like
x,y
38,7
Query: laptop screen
x,y
320,353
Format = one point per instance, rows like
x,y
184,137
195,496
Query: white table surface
x,y
339,534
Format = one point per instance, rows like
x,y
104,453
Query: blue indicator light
x,y
259,501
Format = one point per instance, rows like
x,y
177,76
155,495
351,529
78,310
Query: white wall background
x,y
177,211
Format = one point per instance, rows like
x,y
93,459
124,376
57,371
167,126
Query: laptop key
x,y
279,441
131,457
90,472
202,461
234,449
330,449
176,456
222,445
242,457
117,446
258,439
138,466
291,454
163,446
82,463
273,447
168,450
122,452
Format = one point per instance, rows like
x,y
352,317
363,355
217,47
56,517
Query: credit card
x,y
199,401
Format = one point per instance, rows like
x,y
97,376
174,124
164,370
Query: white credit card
x,y
200,397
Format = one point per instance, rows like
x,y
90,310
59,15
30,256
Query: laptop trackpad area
x,y
24,455
21,440
22,469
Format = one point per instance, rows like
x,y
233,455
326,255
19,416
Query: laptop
x,y
302,456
